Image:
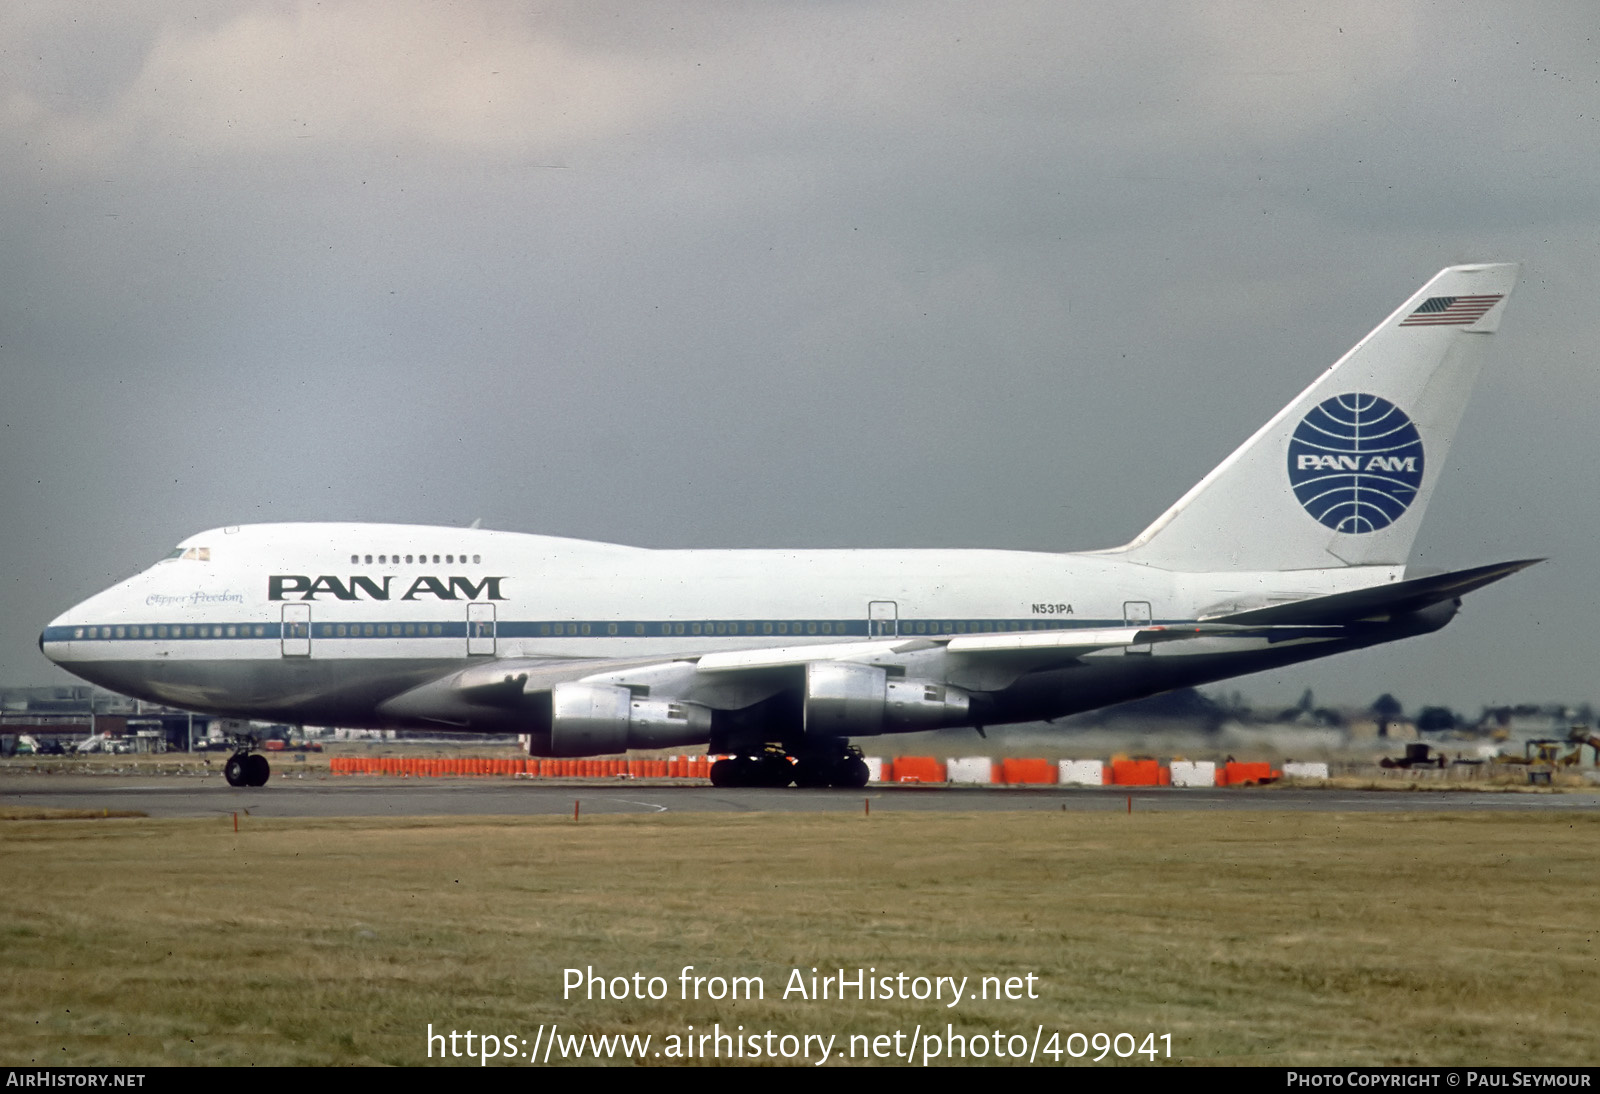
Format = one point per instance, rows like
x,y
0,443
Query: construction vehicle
x,y
1417,755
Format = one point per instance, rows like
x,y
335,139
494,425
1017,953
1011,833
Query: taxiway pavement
x,y
291,796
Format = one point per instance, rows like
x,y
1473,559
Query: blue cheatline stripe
x,y
777,629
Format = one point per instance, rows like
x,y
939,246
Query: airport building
x,y
63,718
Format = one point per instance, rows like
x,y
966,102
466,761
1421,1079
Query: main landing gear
x,y
775,767
246,768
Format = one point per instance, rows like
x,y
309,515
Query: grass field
x,y
1249,938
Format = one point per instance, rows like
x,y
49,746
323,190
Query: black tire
x,y
775,771
851,772
235,772
725,774
809,774
256,770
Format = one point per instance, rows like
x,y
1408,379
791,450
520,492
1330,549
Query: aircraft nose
x,y
56,634
52,639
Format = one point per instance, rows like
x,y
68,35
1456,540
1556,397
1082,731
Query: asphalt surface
x,y
313,796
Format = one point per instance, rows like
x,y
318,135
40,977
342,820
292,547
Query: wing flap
x,y
1073,642
786,656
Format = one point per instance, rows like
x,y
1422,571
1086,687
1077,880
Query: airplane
x,y
1294,547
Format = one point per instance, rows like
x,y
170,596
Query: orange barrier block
x,y
1136,773
918,769
1246,774
1018,772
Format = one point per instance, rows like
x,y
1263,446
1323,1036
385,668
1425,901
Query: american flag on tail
x,y
1451,311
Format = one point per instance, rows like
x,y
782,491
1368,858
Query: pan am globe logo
x,y
1355,463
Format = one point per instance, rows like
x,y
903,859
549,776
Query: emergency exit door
x,y
480,630
296,630
883,619
1136,613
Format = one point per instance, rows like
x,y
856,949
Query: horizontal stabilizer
x,y
1383,600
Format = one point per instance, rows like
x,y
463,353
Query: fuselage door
x,y
480,630
297,630
883,619
1136,613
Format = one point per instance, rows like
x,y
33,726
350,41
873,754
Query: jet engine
x,y
594,719
845,699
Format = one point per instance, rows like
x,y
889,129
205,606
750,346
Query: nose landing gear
x,y
246,768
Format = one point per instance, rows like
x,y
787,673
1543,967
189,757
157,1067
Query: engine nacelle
x,y
595,719
845,699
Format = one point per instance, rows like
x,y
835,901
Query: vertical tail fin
x,y
1341,476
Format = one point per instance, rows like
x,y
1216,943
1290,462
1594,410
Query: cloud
x,y
360,74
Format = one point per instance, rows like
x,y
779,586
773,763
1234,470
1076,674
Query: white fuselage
x,y
325,621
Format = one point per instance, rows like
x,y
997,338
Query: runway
x,y
290,796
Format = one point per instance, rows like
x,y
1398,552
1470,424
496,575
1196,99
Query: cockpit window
x,y
196,554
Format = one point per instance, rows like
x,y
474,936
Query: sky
x,y
808,274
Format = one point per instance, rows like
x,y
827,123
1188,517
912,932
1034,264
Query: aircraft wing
x,y
1070,643
495,693
489,691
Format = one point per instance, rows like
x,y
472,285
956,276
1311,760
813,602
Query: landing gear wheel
x,y
851,771
256,770
770,770
234,770
810,774
774,770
